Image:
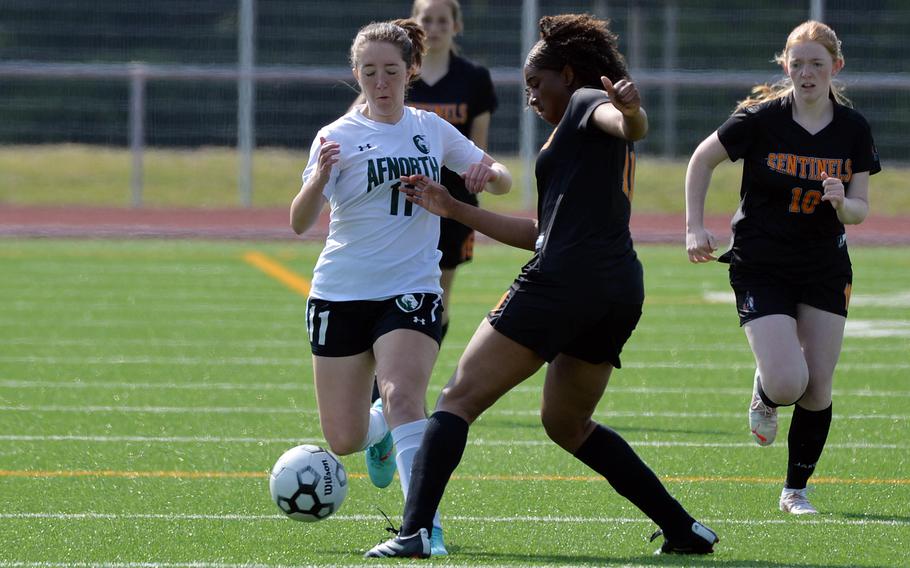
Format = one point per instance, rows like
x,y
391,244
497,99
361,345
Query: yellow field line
x,y
134,474
278,272
261,474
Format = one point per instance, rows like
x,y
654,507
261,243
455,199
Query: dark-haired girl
x,y
574,304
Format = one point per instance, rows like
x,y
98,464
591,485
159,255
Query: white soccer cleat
x,y
794,501
762,418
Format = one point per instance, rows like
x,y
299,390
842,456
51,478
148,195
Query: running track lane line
x,y
278,272
34,474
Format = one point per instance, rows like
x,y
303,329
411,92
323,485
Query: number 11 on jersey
x,y
396,196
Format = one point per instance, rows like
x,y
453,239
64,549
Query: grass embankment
x,y
207,177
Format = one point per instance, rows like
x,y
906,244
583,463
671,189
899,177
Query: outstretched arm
x,y
519,232
624,118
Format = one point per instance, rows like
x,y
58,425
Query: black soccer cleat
x,y
416,545
700,541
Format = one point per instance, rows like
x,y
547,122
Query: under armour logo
x,y
421,321
365,147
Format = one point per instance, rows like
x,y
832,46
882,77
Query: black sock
x,y
445,330
806,440
439,454
609,455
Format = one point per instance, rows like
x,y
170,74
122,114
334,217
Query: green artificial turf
x,y
146,388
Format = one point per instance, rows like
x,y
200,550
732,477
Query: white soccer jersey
x,y
379,244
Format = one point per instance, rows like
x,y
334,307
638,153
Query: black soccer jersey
x,y
584,184
781,220
464,92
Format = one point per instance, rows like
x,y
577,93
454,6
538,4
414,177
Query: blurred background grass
x,y
69,175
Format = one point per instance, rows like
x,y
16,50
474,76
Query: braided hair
x,y
582,42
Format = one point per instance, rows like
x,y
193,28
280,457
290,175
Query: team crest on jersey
x,y
407,303
748,306
420,141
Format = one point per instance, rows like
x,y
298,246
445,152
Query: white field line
x,y
481,442
203,386
111,294
160,306
282,323
855,328
890,300
167,301
89,516
877,328
107,342
308,386
257,324
55,269
202,564
294,361
737,347
56,408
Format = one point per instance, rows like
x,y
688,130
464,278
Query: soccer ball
x,y
308,483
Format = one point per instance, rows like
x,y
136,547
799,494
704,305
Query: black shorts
x,y
552,320
763,294
456,241
341,329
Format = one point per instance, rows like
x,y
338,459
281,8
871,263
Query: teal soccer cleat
x,y
437,544
380,458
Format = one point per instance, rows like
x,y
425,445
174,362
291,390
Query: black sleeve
x,y
485,93
738,133
865,155
582,105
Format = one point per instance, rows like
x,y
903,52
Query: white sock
x,y
407,439
377,428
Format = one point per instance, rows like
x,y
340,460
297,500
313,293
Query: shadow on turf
x,y
651,560
535,425
863,517
626,429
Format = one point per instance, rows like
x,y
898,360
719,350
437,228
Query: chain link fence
x,y
70,70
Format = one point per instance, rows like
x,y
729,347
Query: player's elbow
x,y
298,225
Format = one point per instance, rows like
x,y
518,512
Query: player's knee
x,y
784,384
817,395
567,432
784,392
402,403
344,442
459,401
